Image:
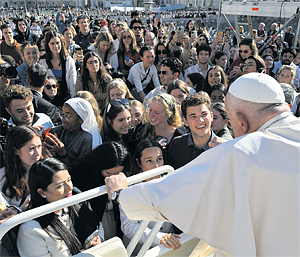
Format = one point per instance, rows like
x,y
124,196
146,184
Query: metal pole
x,y
296,15
219,15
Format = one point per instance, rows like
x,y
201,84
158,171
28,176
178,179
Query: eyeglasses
x,y
245,51
51,86
92,62
247,65
163,72
127,37
159,52
138,27
116,103
109,69
65,116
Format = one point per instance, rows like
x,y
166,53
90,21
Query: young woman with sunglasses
x,y
116,121
77,135
59,63
247,48
105,49
51,92
143,75
93,78
161,52
128,52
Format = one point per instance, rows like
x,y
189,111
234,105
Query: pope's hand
x,y
115,182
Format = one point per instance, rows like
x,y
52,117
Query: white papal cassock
x,y
242,196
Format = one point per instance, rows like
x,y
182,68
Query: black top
x,y
182,150
83,41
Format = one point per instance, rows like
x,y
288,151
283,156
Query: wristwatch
x,y
115,196
63,156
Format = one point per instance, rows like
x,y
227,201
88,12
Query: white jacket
x,y
71,74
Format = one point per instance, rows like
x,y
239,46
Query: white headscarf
x,y
85,111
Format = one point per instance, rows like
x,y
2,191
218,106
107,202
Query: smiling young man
x,y
18,100
137,27
287,57
198,117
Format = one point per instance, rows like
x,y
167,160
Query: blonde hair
x,y
286,67
170,108
120,84
136,103
90,98
105,36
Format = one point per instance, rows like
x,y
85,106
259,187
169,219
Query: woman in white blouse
x,y
143,73
63,232
59,63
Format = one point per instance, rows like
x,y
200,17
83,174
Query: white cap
x,y
257,88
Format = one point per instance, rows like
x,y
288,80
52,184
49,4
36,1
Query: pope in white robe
x,y
241,196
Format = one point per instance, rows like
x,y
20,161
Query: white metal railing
x,y
84,196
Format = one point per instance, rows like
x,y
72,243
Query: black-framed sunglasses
x,y
159,52
164,72
245,51
128,37
138,27
117,103
51,86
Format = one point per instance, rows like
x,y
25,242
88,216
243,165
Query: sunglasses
x,y
51,86
127,37
163,72
109,69
138,27
117,103
92,62
159,52
81,17
245,52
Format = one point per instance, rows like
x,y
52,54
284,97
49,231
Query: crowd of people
x,y
86,100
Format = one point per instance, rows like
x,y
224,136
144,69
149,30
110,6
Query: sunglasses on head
x,y
117,103
81,17
128,37
159,52
245,51
51,86
109,69
138,27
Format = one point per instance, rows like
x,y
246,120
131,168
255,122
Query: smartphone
x,y
227,31
78,50
180,30
220,33
127,59
90,238
194,33
164,141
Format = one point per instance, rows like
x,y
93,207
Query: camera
x,y
8,71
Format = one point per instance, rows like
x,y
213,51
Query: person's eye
x,y
213,98
160,159
137,115
204,114
60,186
149,161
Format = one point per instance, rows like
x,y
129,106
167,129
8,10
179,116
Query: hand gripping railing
x,y
84,196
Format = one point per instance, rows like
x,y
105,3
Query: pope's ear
x,y
242,124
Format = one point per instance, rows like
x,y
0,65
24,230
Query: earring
x,y
44,196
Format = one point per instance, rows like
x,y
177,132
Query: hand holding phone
x,y
127,59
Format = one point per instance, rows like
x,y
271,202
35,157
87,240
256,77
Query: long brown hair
x,y
133,45
63,54
16,182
